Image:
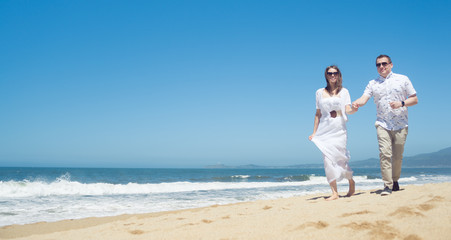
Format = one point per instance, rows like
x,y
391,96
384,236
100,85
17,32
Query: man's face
x,y
384,66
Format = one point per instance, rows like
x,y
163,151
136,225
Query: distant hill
x,y
441,158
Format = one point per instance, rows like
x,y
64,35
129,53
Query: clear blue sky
x,y
192,83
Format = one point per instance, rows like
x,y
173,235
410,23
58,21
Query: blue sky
x,y
193,83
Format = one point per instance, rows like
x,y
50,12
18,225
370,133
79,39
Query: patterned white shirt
x,y
395,87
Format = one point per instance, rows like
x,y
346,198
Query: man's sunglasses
x,y
382,64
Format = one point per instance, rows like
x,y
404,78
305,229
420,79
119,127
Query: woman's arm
x,y
316,123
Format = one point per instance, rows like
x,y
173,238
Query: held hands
x,y
355,106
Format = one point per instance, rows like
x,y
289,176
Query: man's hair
x,y
339,80
383,56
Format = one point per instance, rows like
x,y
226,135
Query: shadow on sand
x,y
341,196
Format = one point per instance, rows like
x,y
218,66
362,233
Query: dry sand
x,y
415,212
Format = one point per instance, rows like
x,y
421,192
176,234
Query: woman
x,y
333,103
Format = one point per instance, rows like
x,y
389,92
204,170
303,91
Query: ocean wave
x,y
64,186
257,178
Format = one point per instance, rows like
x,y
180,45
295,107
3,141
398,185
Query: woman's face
x,y
332,75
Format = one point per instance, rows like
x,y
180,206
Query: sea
x,y
30,195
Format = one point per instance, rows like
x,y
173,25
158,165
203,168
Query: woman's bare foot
x,y
333,187
333,197
351,188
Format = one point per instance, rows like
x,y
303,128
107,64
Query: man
x,y
392,94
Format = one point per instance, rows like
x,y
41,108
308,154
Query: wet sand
x,y
413,213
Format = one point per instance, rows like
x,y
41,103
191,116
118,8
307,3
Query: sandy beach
x,y
415,212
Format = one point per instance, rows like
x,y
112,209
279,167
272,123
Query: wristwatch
x,y
403,103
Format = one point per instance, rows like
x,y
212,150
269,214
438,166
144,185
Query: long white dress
x,y
331,135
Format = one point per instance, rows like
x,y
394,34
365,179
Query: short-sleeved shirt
x,y
395,87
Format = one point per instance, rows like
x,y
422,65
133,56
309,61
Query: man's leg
x,y
399,139
385,154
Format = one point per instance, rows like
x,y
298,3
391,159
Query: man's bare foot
x,y
351,188
333,197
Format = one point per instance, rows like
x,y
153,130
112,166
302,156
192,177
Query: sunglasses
x,y
332,73
382,64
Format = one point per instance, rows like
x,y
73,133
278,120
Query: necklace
x,y
333,92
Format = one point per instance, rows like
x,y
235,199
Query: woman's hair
x,y
339,80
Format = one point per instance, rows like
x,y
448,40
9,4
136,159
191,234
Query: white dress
x,y
331,135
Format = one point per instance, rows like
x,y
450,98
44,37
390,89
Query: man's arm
x,y
361,101
411,101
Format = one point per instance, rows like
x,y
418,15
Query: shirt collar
x,y
382,79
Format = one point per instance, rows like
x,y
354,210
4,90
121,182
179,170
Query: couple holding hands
x,y
392,94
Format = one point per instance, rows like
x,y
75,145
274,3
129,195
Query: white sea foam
x,y
241,176
63,186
